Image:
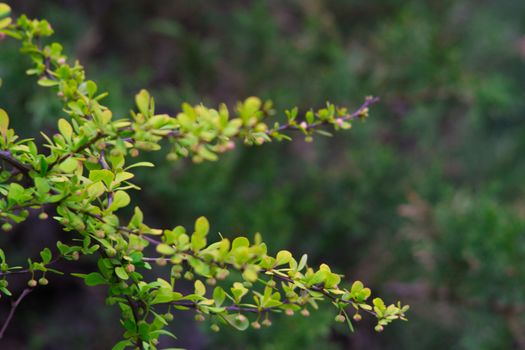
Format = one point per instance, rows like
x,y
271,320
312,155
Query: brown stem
x,y
14,305
8,157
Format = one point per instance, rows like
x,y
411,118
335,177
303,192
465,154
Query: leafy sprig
x,y
88,176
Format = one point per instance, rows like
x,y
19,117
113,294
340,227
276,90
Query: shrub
x,y
86,175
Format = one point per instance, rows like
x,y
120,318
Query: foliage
x,y
87,175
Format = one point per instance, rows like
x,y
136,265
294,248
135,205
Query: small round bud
x,y
100,234
303,125
240,318
43,216
305,312
4,283
168,316
115,152
75,256
60,94
43,281
379,328
130,268
289,312
188,275
161,262
357,317
2,36
200,318
134,152
256,325
61,60
340,318
215,328
267,323
222,274
6,227
230,145
32,283
211,281
271,283
339,122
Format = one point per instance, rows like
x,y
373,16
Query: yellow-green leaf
x,y
65,128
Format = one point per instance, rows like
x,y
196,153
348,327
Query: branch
x,y
8,157
14,305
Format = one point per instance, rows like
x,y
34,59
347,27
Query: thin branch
x,y
8,157
356,114
134,311
14,305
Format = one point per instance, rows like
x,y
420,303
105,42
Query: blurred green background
x,y
424,202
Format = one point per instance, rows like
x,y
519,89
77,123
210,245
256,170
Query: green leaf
x,y
65,128
165,249
121,345
202,226
200,288
45,82
5,10
103,175
46,255
91,88
69,165
142,99
92,279
121,273
120,200
283,257
4,122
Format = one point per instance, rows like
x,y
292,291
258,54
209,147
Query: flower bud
x,y
211,281
256,325
240,318
340,318
168,316
379,328
200,318
161,262
305,312
75,256
32,283
215,328
134,152
289,312
130,268
43,281
43,216
357,317
100,234
267,322
7,227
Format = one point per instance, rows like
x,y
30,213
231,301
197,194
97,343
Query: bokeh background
x,y
424,202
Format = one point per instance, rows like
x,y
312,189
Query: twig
x,y
8,157
14,305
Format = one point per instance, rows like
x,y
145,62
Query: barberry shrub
x,y
86,174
